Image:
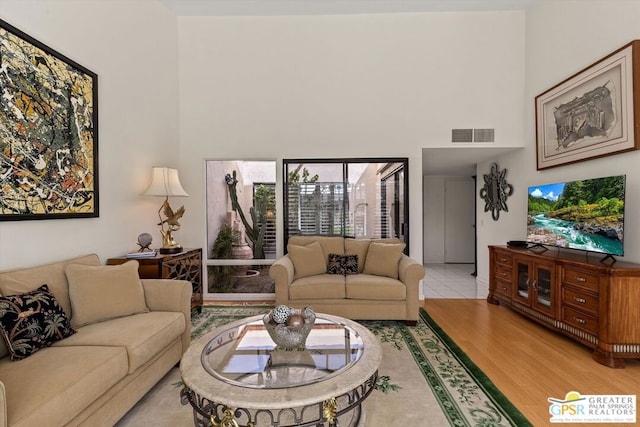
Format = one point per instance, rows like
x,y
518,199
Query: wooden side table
x,y
186,265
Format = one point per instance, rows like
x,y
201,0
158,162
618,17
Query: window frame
x,y
384,175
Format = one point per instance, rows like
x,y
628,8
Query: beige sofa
x,y
128,334
384,287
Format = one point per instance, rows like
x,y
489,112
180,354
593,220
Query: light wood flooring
x,y
527,362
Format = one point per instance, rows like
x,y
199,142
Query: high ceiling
x,y
332,7
435,161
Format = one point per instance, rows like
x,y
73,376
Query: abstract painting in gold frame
x,y
48,132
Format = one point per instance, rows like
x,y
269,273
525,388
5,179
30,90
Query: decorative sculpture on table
x,y
165,182
495,191
289,327
144,241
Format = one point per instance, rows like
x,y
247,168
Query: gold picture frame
x,y
592,113
48,132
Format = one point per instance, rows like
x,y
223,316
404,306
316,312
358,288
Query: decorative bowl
x,y
294,331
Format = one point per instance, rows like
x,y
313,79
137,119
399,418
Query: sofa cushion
x,y
358,247
32,321
99,293
23,280
369,287
143,335
55,384
330,245
321,286
383,258
307,260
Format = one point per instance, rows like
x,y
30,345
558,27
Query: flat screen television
x,y
586,215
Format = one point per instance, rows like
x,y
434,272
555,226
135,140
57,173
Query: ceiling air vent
x,y
483,135
461,135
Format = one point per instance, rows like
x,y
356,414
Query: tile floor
x,y
449,281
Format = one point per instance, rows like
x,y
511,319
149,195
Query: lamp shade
x,y
165,182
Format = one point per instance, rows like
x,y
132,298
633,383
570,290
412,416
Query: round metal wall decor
x,y
495,191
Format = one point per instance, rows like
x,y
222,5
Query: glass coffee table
x,y
236,376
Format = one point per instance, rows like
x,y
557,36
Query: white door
x,y
459,220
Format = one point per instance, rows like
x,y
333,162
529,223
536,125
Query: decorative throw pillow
x,y
32,321
349,264
358,247
335,264
100,293
342,264
307,260
383,258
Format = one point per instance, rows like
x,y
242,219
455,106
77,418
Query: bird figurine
x,y
172,217
172,223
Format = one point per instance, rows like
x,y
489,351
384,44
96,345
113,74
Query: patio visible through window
x,y
360,198
241,226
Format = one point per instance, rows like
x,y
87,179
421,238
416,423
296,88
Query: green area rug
x,y
431,381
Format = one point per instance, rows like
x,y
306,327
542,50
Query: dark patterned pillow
x,y
342,264
32,321
335,264
350,264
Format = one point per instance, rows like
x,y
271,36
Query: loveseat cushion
x,y
370,287
32,321
99,293
358,247
329,244
308,260
142,335
55,384
383,259
321,286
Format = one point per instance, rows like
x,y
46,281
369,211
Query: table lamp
x,y
165,182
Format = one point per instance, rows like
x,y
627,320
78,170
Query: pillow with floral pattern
x,y
342,264
349,264
32,321
335,264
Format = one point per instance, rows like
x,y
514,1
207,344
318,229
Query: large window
x,y
360,198
241,227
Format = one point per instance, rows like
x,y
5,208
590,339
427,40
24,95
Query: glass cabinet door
x,y
543,287
522,292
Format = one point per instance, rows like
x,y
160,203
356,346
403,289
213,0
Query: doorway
x,y
459,221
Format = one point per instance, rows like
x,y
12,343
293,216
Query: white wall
x,y
344,86
263,88
563,38
132,46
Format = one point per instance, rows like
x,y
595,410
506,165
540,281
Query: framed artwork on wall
x,y
592,113
48,132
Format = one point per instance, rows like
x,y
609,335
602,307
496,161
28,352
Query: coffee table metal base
x,y
342,411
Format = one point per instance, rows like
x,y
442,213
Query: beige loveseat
x,y
128,334
385,285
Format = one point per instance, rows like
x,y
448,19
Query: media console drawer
x,y
503,273
581,300
504,288
504,259
580,320
580,278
